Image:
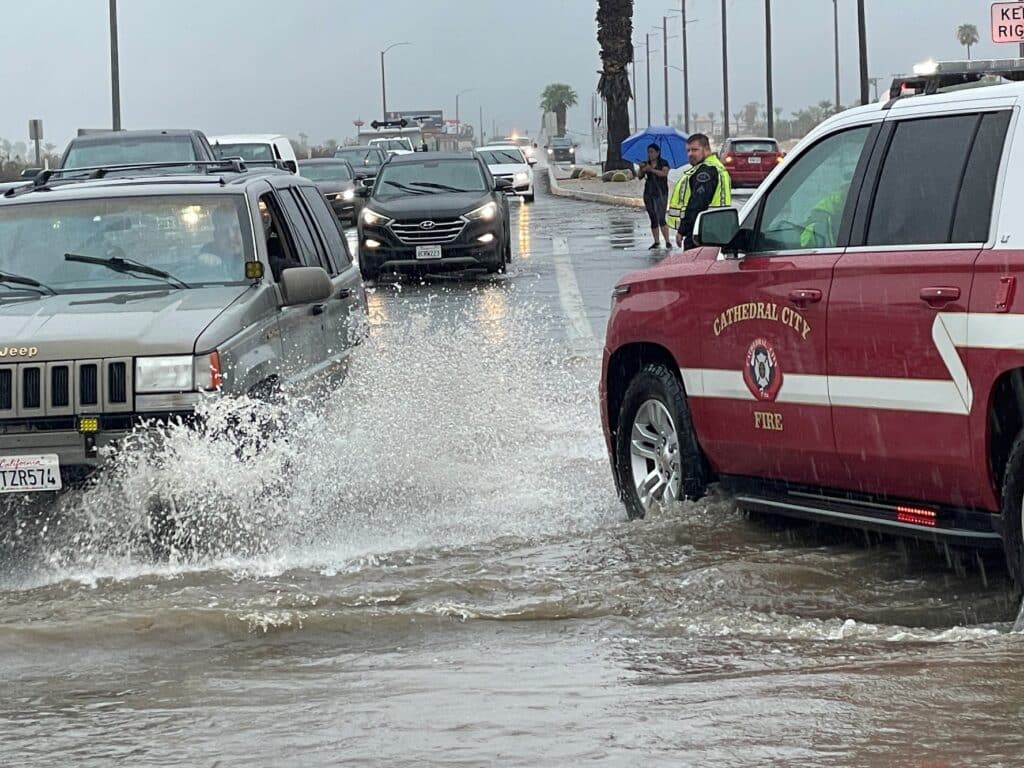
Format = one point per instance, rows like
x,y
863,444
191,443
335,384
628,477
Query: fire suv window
x,y
920,181
804,209
974,208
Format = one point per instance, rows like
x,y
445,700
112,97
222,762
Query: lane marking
x,y
579,330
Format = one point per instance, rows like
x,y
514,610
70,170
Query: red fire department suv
x,y
850,346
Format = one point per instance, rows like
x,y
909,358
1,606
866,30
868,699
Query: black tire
x,y
368,272
1012,511
528,198
657,382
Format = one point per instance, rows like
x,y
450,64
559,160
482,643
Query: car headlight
x,y
573,150
483,213
180,373
348,194
522,177
373,219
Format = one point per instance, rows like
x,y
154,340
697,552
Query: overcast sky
x,y
313,66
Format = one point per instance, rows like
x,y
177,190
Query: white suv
x,y
507,161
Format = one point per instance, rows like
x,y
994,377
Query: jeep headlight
x,y
180,373
483,213
373,219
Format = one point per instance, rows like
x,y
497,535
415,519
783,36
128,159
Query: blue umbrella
x,y
671,142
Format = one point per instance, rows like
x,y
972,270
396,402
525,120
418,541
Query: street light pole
x,y
686,75
835,28
664,49
770,100
647,49
458,125
115,71
383,80
862,34
636,122
725,72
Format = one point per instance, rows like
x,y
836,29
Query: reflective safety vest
x,y
821,230
680,196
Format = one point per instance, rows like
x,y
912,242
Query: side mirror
x,y
503,185
717,226
365,188
531,162
305,285
291,166
31,173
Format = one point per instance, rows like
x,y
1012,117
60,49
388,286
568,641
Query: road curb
x,y
592,197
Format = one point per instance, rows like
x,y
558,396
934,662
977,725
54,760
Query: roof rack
x,y
938,76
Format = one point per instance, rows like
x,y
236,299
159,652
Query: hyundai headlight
x,y
180,373
348,194
483,213
373,219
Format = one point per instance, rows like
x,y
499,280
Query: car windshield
x,y
250,153
561,141
359,155
198,239
502,156
325,171
755,146
428,176
392,144
127,151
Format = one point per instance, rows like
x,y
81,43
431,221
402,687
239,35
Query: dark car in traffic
x,y
561,149
110,148
750,160
434,213
365,161
337,181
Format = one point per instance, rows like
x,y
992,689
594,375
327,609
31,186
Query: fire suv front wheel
x,y
1013,512
657,458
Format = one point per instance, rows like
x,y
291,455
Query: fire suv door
x,y
900,391
762,407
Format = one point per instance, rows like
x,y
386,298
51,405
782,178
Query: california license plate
x,y
428,251
754,160
24,474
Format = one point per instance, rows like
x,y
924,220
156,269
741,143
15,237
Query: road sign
x,y
35,130
1008,22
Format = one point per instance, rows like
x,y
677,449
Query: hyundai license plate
x,y
428,251
23,474
754,160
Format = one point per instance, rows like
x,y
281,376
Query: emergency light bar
x,y
937,76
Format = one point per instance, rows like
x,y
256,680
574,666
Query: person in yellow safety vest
x,y
704,184
821,229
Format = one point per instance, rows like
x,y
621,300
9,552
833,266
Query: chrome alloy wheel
x,y
654,454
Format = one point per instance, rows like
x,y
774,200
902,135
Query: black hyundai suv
x,y
434,213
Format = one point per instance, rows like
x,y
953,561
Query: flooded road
x,y
432,569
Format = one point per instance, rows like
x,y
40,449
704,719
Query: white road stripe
x,y
569,293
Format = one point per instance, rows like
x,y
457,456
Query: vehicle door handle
x,y
804,297
940,296
344,293
319,309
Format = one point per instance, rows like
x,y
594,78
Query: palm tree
x,y
967,34
615,36
557,98
711,118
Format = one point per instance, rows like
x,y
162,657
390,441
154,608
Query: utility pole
x,y
862,34
770,100
664,48
647,49
481,137
725,72
115,71
835,28
636,122
686,75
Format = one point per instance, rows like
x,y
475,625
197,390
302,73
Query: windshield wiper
x,y
404,188
127,267
7,277
442,187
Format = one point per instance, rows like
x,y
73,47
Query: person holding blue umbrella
x,y
654,172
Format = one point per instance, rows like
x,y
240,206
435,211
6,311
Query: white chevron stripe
x,y
950,333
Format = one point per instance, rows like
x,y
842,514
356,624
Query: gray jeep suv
x,y
130,299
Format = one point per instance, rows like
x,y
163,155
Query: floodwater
x,y
431,568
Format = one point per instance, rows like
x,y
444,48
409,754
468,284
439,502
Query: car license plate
x,y
22,474
754,160
428,251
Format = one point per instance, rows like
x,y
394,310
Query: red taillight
x,y
728,158
779,156
916,516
